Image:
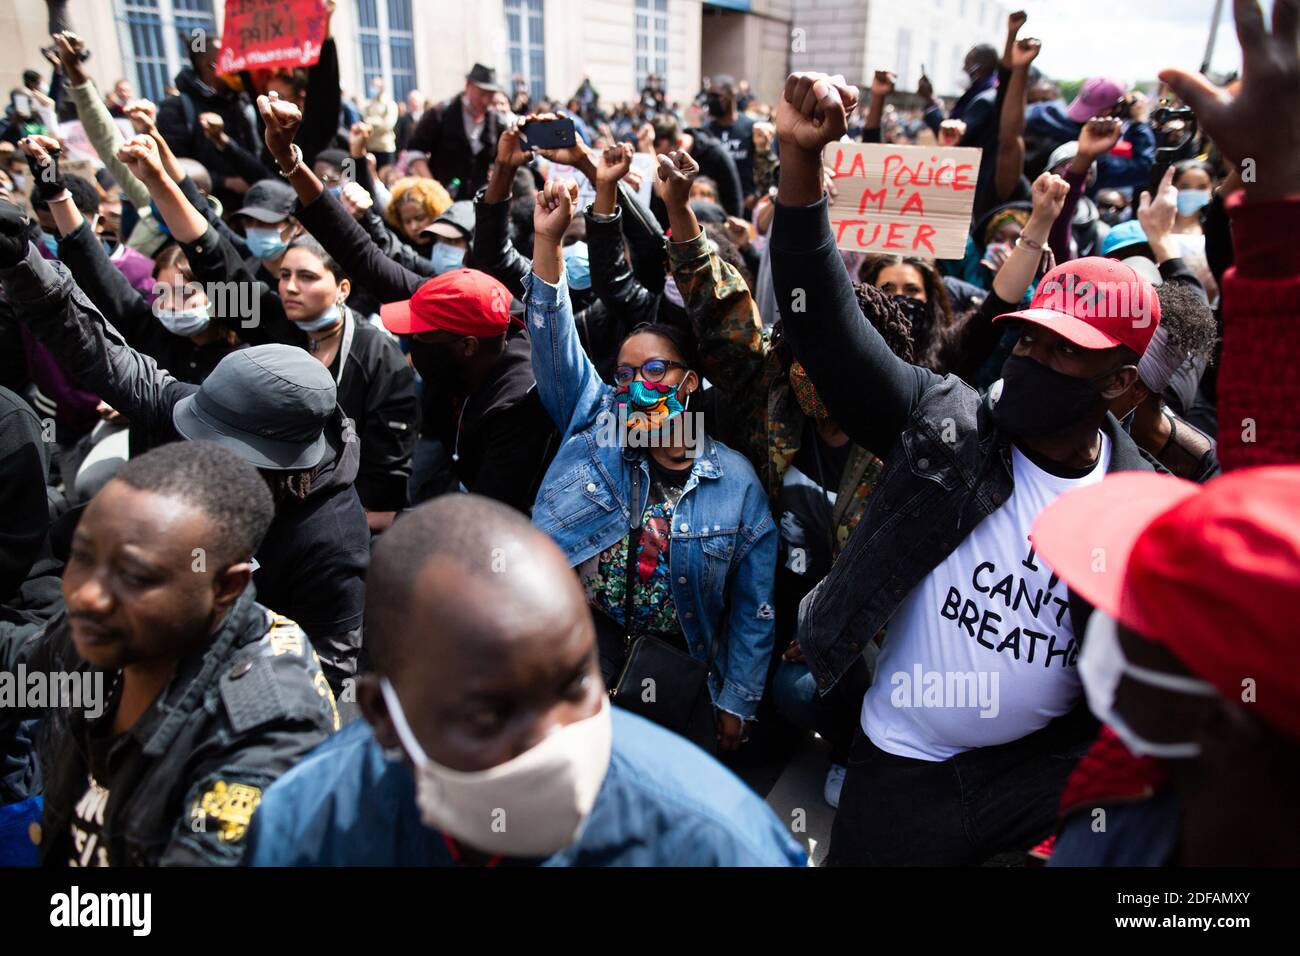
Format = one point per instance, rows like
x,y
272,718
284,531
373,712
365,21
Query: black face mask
x,y
715,105
918,313
1037,400
433,363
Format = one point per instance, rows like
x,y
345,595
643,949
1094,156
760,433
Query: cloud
x,y
1127,39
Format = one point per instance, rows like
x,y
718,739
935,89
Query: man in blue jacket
x,y
489,738
1052,123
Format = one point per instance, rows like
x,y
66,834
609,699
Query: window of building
x,y
651,40
524,45
386,41
155,37
904,54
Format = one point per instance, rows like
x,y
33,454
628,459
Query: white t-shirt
x,y
982,651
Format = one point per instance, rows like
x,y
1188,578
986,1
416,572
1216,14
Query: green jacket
x,y
764,420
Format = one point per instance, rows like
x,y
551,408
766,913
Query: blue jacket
x,y
723,540
664,802
1049,121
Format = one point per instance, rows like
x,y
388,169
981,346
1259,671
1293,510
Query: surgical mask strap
x,y
1173,682
403,729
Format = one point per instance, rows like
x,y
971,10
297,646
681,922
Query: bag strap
x,y
633,546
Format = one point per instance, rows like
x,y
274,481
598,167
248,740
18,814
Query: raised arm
x,y
882,86
979,337
867,389
96,119
90,350
80,249
724,318
323,216
567,382
612,279
1096,137
1018,56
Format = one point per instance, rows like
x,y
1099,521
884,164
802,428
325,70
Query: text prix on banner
x,y
270,34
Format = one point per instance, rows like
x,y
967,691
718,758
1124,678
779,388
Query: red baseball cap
x,y
1212,572
1096,303
463,301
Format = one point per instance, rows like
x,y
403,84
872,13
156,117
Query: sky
x,y
1128,39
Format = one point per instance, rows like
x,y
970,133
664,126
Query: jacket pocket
x,y
576,496
719,548
930,458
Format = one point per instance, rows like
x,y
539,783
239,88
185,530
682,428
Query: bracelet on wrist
x,y
296,153
1025,242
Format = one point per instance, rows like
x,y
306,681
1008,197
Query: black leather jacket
x,y
947,465
184,782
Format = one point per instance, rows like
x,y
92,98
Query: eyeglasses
x,y
652,371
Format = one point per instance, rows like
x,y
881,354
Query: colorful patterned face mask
x,y
805,393
649,405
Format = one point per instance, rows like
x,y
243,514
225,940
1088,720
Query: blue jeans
x,y
16,846
835,716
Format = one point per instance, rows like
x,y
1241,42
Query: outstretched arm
x,y
868,390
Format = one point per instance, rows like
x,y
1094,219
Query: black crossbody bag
x,y
675,683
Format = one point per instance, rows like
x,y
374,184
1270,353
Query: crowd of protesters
x,y
387,502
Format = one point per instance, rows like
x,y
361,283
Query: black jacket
x,y
317,551
131,314
933,491
184,782
377,391
502,438
178,124
441,134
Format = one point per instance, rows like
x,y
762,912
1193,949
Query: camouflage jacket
x,y
764,421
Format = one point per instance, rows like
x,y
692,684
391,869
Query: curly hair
x,y
927,342
429,193
1187,319
885,317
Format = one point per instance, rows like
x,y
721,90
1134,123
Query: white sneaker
x,y
834,784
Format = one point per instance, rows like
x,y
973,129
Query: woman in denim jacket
x,y
708,544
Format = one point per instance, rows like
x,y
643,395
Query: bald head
x,y
482,628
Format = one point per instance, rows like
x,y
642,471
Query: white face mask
x,y
1102,664
531,806
963,81
184,322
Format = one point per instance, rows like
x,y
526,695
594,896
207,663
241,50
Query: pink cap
x,y
1097,95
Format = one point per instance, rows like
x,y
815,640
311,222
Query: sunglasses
x,y
652,371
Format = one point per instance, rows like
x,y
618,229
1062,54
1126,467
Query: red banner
x,y
267,34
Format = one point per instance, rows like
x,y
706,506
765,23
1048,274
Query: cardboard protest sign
x,y
267,34
907,200
77,145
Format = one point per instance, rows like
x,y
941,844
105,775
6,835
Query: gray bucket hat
x,y
269,404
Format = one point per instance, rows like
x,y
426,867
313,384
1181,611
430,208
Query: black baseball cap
x,y
268,200
269,404
456,223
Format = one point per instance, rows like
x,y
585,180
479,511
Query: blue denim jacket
x,y
664,802
723,540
